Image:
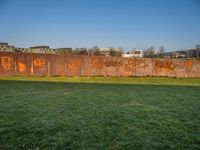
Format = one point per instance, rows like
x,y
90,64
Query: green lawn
x,y
99,113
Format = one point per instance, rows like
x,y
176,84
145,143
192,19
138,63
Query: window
x,y
137,52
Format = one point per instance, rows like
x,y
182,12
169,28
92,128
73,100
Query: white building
x,y
134,53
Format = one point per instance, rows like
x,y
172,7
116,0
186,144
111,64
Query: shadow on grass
x,y
103,82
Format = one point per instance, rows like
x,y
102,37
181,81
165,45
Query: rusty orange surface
x,y
22,67
39,62
7,63
50,65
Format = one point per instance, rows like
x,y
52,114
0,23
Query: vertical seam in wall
x,y
32,66
134,67
153,65
15,63
48,68
66,61
82,71
117,67
65,67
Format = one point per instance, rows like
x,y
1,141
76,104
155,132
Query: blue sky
x,y
86,23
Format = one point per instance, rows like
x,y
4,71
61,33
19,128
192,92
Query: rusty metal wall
x,y
62,65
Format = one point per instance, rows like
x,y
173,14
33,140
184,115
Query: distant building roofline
x,y
64,48
104,49
3,43
36,47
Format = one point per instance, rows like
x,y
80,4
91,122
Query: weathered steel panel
x,y
56,65
73,66
7,64
39,64
164,67
23,64
143,67
63,65
127,67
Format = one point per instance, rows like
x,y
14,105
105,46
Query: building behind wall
x,y
5,47
23,50
67,51
191,53
111,51
104,51
134,53
40,49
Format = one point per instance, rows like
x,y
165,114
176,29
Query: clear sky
x,y
174,24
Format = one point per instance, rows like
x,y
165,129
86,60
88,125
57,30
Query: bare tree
x,y
96,50
112,52
197,50
149,52
152,51
75,51
161,51
91,51
145,53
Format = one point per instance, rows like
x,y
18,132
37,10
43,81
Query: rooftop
x,y
36,47
3,43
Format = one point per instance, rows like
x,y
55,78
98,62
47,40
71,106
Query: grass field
x,y
99,113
